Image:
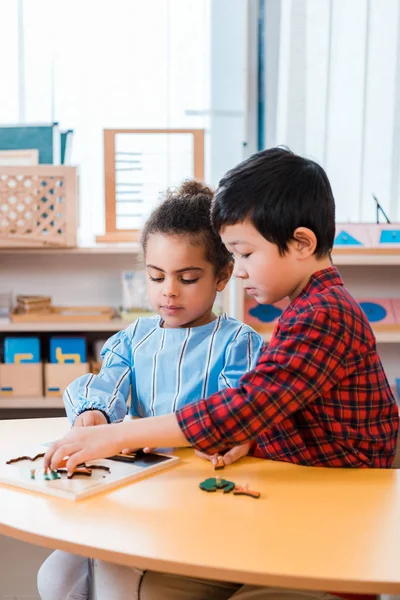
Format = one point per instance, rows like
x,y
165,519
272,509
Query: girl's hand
x,y
90,418
229,457
85,443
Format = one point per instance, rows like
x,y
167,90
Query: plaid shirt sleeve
x,y
305,358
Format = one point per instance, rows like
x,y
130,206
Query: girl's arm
x,y
109,390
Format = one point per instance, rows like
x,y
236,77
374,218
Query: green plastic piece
x,y
44,475
212,485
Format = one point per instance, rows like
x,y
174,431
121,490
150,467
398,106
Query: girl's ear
x,y
304,242
224,276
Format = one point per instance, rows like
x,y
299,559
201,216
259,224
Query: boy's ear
x,y
304,242
224,276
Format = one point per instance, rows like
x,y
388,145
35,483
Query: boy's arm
x,y
109,390
301,362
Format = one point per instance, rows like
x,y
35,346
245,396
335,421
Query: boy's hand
x,y
90,418
229,457
86,443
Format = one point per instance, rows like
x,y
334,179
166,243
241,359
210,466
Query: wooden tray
x,y
65,314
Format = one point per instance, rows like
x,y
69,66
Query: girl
x,y
184,354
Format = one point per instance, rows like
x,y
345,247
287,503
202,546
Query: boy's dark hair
x,y
279,191
186,211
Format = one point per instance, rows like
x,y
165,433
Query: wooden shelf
x,y
113,325
341,256
370,258
100,249
31,402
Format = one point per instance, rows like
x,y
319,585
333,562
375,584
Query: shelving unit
x,y
115,249
112,326
91,275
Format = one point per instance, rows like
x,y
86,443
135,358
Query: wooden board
x,y
70,314
121,473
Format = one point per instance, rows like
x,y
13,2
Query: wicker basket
x,y
38,206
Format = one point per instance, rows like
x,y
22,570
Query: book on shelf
x,y
43,137
66,146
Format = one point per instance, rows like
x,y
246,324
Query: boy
x,y
318,395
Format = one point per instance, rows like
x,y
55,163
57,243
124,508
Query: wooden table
x,y
312,528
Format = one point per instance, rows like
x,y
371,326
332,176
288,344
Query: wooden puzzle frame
x,y
121,473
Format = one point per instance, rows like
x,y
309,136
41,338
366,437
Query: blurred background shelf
x,y
113,325
128,248
33,402
389,336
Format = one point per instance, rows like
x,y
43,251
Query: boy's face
x,y
266,275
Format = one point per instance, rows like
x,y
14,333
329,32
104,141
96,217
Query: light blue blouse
x,y
164,369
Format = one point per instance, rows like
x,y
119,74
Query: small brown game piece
x,y
19,458
219,464
78,471
99,467
129,457
243,490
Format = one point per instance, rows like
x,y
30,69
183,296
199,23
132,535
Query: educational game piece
x,y
390,236
140,458
378,310
212,484
89,478
267,313
66,350
19,458
21,350
219,464
385,235
44,475
129,458
259,315
345,239
352,235
83,469
28,304
87,471
245,491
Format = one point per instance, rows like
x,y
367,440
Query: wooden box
x,y
38,206
22,380
58,376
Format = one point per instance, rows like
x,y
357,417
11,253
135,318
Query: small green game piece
x,y
51,475
212,484
48,475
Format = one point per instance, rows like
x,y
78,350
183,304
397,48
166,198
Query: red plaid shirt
x,y
318,395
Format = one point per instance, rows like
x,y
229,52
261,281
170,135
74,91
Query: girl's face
x,y
181,283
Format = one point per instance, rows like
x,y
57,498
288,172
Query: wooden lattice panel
x,y
38,206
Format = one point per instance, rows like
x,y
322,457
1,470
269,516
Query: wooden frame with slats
x,y
112,233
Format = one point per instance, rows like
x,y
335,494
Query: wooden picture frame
x,y
112,232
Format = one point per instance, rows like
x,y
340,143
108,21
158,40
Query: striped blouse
x,y
164,369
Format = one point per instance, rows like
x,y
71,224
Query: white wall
x,y
339,97
96,65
